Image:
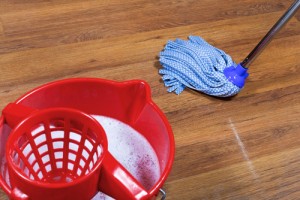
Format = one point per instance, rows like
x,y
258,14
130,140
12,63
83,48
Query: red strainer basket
x,y
61,154
53,149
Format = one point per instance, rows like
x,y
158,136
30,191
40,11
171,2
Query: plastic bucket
x,y
129,102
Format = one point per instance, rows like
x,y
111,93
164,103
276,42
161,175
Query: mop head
x,y
197,65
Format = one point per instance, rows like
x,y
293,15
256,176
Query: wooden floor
x,y
245,147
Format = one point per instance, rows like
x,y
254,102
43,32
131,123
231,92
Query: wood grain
x,y
1,29
244,147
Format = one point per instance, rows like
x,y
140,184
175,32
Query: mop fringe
x,y
196,64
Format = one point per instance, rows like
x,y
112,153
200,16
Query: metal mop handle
x,y
268,37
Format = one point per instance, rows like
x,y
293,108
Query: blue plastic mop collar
x,y
237,75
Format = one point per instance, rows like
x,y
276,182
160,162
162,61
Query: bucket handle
x,y
118,183
163,194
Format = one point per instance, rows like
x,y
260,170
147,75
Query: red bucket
x,y
128,102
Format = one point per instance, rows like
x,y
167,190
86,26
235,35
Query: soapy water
x,y
132,150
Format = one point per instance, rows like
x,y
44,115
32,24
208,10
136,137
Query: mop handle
x,y
268,37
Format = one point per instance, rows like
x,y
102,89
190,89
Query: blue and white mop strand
x,y
197,65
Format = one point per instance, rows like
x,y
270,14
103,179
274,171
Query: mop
x,y
196,64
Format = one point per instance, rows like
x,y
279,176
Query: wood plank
x,y
51,17
41,24
1,29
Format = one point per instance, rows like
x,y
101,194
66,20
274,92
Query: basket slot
x,y
58,145
91,165
82,163
31,158
38,129
40,139
79,171
59,165
40,175
43,149
72,157
73,146
58,155
88,145
85,154
70,166
27,150
46,159
57,134
48,167
76,137
26,171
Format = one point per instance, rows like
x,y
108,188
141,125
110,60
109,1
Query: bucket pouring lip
x,y
139,85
